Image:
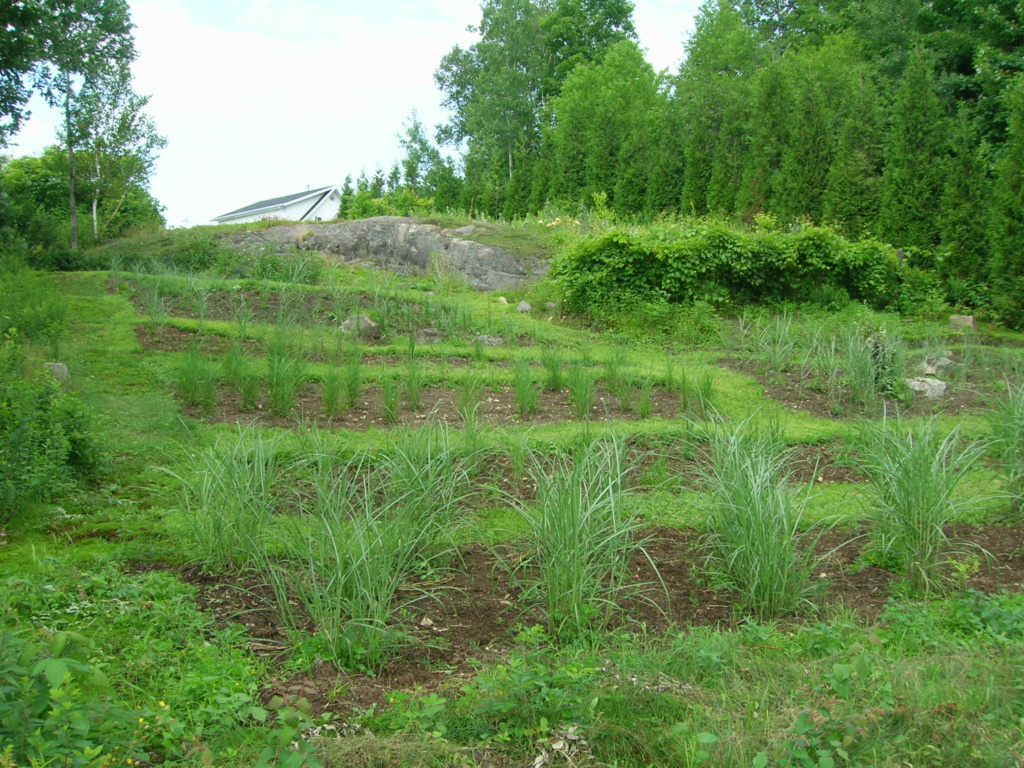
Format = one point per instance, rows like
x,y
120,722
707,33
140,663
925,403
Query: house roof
x,y
278,202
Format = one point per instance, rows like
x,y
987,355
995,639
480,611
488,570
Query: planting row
x,y
281,381
340,538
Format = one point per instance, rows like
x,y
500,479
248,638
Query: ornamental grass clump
x,y
914,472
231,495
581,540
196,380
1006,424
554,375
524,386
754,521
581,390
349,564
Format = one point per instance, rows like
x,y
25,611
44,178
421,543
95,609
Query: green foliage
x,y
713,262
45,437
28,305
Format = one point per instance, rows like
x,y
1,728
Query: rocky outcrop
x,y
406,245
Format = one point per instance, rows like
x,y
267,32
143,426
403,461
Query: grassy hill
x,y
489,538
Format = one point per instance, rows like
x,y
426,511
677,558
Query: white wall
x,y
328,208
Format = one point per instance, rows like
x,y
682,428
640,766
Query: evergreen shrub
x,y
725,266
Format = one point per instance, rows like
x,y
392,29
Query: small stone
x,y
963,323
490,341
59,370
930,388
361,324
502,300
551,306
523,306
428,335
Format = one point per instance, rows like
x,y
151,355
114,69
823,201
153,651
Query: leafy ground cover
x,y
303,548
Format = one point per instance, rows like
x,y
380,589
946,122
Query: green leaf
x,y
56,671
706,738
760,760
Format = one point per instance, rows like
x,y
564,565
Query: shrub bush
x,y
44,435
722,265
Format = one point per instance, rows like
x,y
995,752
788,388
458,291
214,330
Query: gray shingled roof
x,y
275,202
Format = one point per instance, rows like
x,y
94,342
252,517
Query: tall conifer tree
x,y
915,160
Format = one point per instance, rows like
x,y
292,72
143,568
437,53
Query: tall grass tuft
x,y
389,399
645,400
754,520
366,539
413,386
614,369
471,393
353,378
774,344
581,390
525,389
554,376
581,539
230,496
333,391
914,473
196,380
286,374
1006,424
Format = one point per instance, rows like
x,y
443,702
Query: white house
x,y
312,205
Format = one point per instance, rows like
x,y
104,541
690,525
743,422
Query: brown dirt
x,y
476,610
438,405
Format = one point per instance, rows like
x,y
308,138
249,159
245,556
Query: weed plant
x,y
754,520
581,390
914,473
196,380
582,539
525,389
552,359
1006,424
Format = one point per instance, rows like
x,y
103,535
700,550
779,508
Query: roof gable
x,y
276,202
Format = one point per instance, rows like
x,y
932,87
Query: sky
x,y
260,98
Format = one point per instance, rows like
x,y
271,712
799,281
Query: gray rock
x,y
930,388
404,245
962,323
428,335
551,306
58,370
523,306
361,324
941,366
490,341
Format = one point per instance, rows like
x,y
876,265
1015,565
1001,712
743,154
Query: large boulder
x,y
405,245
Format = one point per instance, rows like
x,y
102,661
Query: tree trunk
x,y
95,201
71,161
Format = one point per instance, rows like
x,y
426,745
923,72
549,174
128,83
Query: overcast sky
x,y
260,98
